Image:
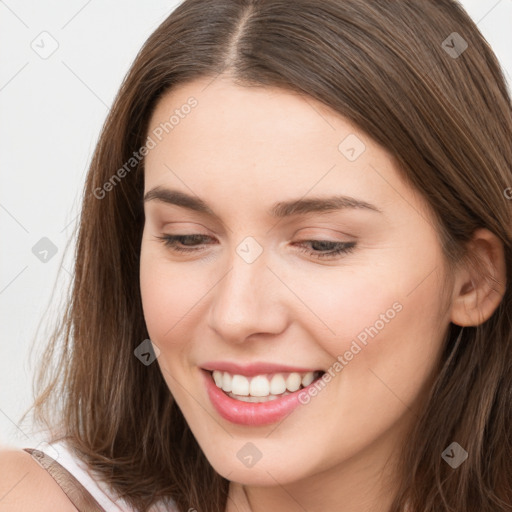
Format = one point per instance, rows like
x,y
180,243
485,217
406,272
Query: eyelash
x,y
170,241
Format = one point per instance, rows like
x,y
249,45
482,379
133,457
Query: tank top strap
x,y
74,490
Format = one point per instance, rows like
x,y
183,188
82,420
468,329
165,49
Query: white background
x,y
51,112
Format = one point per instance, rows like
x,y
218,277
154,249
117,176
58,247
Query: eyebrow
x,y
280,209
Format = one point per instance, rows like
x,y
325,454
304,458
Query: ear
x,y
480,283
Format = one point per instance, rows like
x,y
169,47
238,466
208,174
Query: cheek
x,y
383,327
171,296
162,305
343,302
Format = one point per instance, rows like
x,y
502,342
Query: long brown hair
x,y
418,77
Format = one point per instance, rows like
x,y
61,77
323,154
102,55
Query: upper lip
x,y
252,369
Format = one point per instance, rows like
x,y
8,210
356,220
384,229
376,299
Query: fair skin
x,y
25,486
241,150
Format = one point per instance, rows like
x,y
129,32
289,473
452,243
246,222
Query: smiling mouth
x,y
265,387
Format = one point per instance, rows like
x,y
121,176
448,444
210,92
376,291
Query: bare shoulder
x,y
26,486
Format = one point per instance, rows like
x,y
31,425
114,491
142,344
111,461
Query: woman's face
x,y
260,283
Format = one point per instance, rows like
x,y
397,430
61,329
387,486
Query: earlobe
x,y
480,284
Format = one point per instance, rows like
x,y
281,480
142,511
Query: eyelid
x,y
329,233
302,237
162,217
211,232
163,225
341,248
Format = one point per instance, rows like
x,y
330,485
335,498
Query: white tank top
x,y
104,495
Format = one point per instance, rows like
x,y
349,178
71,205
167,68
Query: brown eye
x,y
327,248
188,242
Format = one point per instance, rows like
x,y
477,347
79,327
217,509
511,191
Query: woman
x,y
291,273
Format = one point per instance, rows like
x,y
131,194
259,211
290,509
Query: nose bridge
x,y
243,303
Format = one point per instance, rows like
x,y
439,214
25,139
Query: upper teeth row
x,y
261,385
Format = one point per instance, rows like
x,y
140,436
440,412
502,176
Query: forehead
x,y
218,139
242,122
266,120
269,108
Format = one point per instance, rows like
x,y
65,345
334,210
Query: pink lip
x,y
252,369
251,414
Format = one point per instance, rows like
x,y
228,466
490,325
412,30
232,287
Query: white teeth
x,y
226,382
217,377
256,399
293,382
240,385
277,384
260,386
308,379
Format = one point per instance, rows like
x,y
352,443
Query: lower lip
x,y
247,413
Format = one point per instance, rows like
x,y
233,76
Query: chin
x,y
265,472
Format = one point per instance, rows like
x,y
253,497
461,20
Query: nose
x,y
247,301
